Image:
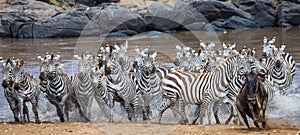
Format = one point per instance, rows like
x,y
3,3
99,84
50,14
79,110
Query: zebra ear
x,y
224,45
76,56
126,44
154,55
282,47
40,58
117,48
57,57
233,46
202,45
178,47
1,59
137,50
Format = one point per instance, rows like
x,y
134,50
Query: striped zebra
x,y
148,80
7,84
280,64
101,93
26,89
82,82
199,89
59,90
123,56
121,88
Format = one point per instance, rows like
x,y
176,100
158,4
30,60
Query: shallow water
x,y
285,107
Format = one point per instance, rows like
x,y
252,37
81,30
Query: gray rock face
x,y
235,22
164,17
289,14
68,23
115,18
213,10
263,11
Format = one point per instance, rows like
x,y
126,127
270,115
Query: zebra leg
x,y
209,112
110,97
201,114
13,106
145,105
164,106
82,114
230,116
215,110
26,112
89,108
129,110
34,103
21,110
182,111
183,118
103,106
59,111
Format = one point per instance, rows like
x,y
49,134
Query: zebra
x,y
281,65
121,88
123,56
198,89
7,84
59,90
147,79
82,82
101,93
26,89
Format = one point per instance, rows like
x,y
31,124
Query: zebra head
x,y
278,56
7,72
54,67
268,46
149,63
198,61
228,50
139,57
19,75
122,56
84,64
45,64
112,65
183,56
97,74
254,65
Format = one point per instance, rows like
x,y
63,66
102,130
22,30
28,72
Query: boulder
x,y
196,26
164,17
263,11
288,14
213,10
33,23
115,18
235,22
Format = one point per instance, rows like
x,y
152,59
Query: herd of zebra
x,y
204,77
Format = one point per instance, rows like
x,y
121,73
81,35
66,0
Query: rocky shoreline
x,y
37,19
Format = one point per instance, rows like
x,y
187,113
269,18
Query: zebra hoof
x,y
183,122
38,122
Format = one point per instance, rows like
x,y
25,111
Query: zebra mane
x,y
227,59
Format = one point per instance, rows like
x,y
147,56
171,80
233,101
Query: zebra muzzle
x,y
5,83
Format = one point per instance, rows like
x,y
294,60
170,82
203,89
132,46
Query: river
x,y
284,108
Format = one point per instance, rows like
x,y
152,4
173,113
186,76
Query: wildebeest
x,y
252,99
